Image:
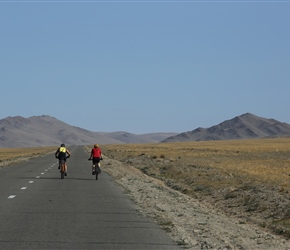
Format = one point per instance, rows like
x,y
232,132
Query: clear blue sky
x,y
145,66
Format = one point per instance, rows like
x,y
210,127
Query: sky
x,y
145,66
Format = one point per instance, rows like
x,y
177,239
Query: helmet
x,y
62,145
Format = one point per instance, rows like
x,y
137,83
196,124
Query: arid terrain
x,y
10,156
210,195
41,131
206,195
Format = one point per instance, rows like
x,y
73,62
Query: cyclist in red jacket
x,y
96,156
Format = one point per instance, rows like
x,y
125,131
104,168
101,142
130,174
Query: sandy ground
x,y
188,222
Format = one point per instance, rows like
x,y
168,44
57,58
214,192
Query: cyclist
x,y
62,154
96,156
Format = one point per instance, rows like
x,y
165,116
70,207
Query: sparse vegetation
x,y
248,179
13,155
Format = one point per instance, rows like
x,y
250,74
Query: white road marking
x,y
11,196
23,187
42,173
31,181
37,177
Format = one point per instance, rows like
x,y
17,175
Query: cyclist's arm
x,y
68,152
56,153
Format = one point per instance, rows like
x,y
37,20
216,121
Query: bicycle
x,y
62,167
96,169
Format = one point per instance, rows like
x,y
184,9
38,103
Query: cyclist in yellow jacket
x,y
62,154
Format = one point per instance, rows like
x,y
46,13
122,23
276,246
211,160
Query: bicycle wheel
x,y
96,173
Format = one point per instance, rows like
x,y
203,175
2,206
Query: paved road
x,y
38,210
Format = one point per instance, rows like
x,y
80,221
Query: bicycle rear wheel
x,y
62,169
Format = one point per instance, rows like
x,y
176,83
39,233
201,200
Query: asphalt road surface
x,y
38,210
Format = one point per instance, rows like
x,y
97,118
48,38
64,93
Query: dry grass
x,y
248,179
12,155
266,160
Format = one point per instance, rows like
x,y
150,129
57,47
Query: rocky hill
x,y
45,130
246,126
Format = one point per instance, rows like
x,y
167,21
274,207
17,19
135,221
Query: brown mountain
x,y
45,130
126,137
246,126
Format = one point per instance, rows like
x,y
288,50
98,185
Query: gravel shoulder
x,y
190,223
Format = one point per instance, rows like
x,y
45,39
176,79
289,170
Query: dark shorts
x,y
62,161
96,160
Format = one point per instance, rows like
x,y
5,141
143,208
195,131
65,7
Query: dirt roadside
x,y
188,222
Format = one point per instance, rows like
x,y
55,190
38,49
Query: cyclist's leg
x,y
60,163
93,166
98,165
62,168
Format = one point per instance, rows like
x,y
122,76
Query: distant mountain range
x,y
246,126
35,131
